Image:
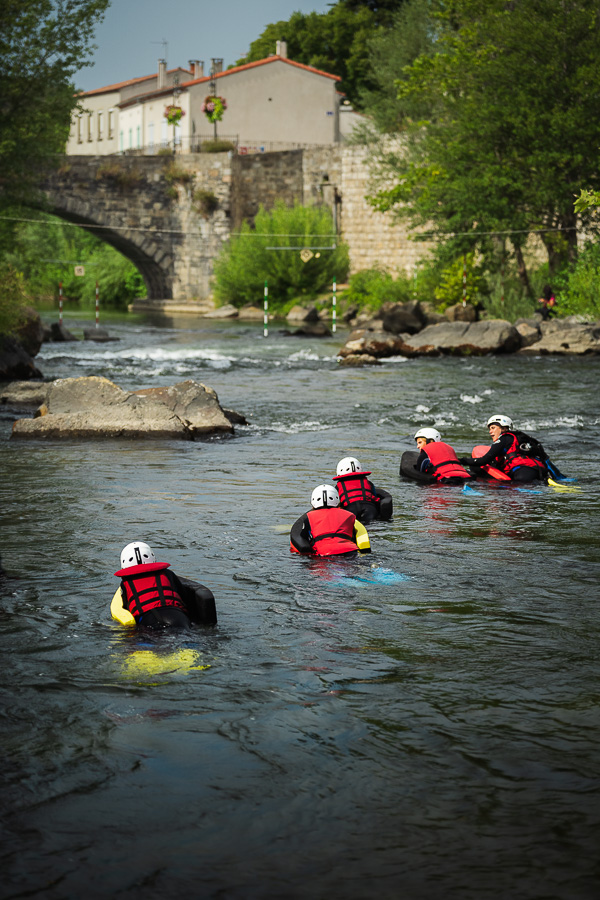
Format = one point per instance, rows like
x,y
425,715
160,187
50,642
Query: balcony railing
x,y
204,143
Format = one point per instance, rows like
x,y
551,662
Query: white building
x,y
272,104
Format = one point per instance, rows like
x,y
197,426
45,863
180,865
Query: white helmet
x,y
430,434
136,554
502,421
347,465
324,495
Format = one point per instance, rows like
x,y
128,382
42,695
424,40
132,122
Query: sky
x,y
130,40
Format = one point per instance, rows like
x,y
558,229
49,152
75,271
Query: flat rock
x,y
251,312
302,314
24,393
464,339
359,359
100,335
378,344
94,407
562,336
223,312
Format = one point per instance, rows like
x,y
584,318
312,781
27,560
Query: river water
x,y
422,722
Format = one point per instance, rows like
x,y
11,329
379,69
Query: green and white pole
x,y
266,312
333,307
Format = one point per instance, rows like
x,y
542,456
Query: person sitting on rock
x,y
358,494
548,302
438,459
153,597
515,453
326,529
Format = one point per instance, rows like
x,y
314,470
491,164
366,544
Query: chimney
x,y
281,49
197,68
162,74
217,66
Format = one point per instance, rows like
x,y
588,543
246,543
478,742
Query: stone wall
x,y
150,208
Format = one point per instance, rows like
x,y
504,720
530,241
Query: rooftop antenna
x,y
165,46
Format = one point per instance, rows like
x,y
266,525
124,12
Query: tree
x,y
512,130
335,41
42,44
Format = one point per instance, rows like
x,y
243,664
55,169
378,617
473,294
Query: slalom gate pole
x,y
266,313
333,307
97,305
60,302
464,280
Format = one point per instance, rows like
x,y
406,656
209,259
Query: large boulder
x,y
398,318
566,336
59,333
301,314
377,344
460,313
30,333
463,339
94,407
15,362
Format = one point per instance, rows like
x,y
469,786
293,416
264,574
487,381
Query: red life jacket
x,y
147,587
353,487
515,457
332,531
444,461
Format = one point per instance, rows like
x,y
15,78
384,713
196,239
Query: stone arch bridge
x,y
171,215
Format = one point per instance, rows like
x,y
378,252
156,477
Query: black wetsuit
x,y
497,456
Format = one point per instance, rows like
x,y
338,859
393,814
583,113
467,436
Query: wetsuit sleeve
x,y
385,503
495,452
300,535
423,462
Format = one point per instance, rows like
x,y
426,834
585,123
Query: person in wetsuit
x,y
359,495
438,459
326,529
521,457
156,597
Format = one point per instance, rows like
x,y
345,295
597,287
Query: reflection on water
x,y
419,722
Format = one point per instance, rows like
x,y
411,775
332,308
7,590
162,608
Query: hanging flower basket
x,y
214,107
174,114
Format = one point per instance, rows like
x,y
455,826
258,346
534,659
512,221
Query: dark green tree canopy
x,y
42,44
335,41
511,130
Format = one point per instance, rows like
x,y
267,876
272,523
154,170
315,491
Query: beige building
x,y
272,104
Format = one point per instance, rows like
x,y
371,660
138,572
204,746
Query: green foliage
x,y
512,129
216,146
246,261
578,290
370,288
204,202
42,44
176,174
13,299
454,288
334,42
586,200
126,178
46,253
411,34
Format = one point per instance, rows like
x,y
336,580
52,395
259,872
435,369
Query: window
x,y
79,130
111,124
100,126
89,127
138,136
151,134
121,141
130,139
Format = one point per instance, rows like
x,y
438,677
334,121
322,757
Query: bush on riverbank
x,y
578,291
13,299
46,252
271,252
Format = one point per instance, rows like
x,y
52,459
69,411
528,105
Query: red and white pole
x,y
60,302
266,309
97,305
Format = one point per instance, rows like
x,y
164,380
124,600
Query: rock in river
x,y
94,407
